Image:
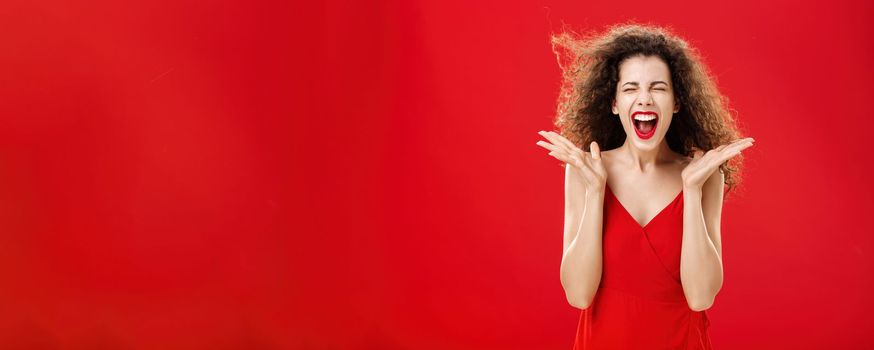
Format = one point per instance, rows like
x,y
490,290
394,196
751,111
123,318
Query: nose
x,y
644,98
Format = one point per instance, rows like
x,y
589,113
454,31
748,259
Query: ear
x,y
676,107
615,110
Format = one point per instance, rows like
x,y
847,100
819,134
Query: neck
x,y
645,160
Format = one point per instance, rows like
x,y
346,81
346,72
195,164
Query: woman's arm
x,y
585,181
581,261
701,257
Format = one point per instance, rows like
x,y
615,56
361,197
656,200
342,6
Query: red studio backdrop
x,y
364,175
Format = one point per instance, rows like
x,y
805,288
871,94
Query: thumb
x,y
596,151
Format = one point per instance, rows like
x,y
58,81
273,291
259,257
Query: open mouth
x,y
645,123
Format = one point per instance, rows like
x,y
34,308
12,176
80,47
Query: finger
x,y
551,136
745,145
738,141
547,145
732,143
732,152
722,147
564,157
564,140
739,146
560,156
596,150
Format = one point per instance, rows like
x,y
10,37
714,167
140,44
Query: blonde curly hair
x,y
590,73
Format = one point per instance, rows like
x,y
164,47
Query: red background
x,y
342,175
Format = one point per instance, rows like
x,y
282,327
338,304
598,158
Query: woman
x,y
642,248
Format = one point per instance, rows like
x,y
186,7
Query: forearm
x,y
581,263
700,263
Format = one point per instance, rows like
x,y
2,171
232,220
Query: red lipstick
x,y
644,129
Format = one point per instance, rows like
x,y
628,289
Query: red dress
x,y
640,303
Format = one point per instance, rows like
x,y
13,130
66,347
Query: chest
x,y
644,198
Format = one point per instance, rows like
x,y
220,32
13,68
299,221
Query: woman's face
x,y
645,100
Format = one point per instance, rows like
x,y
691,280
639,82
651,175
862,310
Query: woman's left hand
x,y
704,164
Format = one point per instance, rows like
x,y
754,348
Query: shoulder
x,y
683,159
607,156
608,152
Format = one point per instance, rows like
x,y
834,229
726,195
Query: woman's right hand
x,y
587,167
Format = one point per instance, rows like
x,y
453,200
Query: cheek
x,y
667,100
665,123
623,102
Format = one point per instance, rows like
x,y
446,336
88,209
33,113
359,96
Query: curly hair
x,y
590,73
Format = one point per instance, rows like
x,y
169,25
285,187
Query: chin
x,y
648,144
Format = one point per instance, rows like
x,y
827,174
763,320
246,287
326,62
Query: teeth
x,y
644,117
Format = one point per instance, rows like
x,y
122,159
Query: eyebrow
x,y
650,84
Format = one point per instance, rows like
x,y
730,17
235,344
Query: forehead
x,y
643,69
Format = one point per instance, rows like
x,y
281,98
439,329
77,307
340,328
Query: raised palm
x,y
703,164
587,167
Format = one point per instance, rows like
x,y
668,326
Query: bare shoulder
x,y
681,161
609,151
608,154
684,160
607,157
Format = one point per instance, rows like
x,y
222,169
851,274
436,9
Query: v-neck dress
x,y
640,303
